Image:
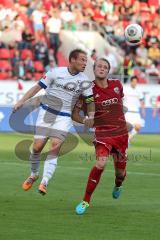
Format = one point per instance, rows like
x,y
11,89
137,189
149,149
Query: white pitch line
x,y
84,168
112,171
141,173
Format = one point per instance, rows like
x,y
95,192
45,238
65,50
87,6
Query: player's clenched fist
x,y
88,121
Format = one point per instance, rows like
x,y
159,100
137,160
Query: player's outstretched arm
x,y
90,112
84,120
89,119
91,109
76,115
30,93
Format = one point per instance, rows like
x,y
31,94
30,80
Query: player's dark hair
x,y
103,59
133,77
74,54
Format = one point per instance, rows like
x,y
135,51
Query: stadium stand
x,y
33,29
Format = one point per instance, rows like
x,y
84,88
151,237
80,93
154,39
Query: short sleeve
x,y
46,80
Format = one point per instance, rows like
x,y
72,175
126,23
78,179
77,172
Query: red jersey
x,y
109,115
109,123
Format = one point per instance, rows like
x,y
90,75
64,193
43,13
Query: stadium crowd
x,y
30,34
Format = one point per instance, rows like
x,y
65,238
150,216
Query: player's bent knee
x,y
55,148
37,148
101,162
38,145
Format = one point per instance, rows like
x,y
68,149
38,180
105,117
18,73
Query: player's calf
x,y
101,162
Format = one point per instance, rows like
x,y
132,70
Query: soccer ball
x,y
133,34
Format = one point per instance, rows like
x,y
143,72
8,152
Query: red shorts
x,y
113,146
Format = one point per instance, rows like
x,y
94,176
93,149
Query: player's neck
x,y
102,83
72,71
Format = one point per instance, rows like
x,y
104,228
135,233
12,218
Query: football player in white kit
x,y
63,86
134,101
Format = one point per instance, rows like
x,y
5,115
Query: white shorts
x,y
134,118
51,125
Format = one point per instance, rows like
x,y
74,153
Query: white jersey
x,y
132,98
63,88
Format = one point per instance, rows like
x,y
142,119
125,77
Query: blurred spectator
x,y
37,18
94,54
50,66
6,23
27,39
98,15
5,11
108,7
51,55
152,70
67,15
154,53
152,37
19,70
17,33
128,66
53,27
16,58
41,51
142,54
29,65
7,35
78,17
18,23
2,44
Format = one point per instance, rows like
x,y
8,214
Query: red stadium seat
x,y
5,70
25,53
144,6
7,3
23,2
38,66
4,53
4,75
29,76
12,53
37,76
5,65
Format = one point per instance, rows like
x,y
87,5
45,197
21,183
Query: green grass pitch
x,y
30,216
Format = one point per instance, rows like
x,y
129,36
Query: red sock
x,y
93,180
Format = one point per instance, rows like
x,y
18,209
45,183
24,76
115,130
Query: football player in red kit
x,y
111,134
